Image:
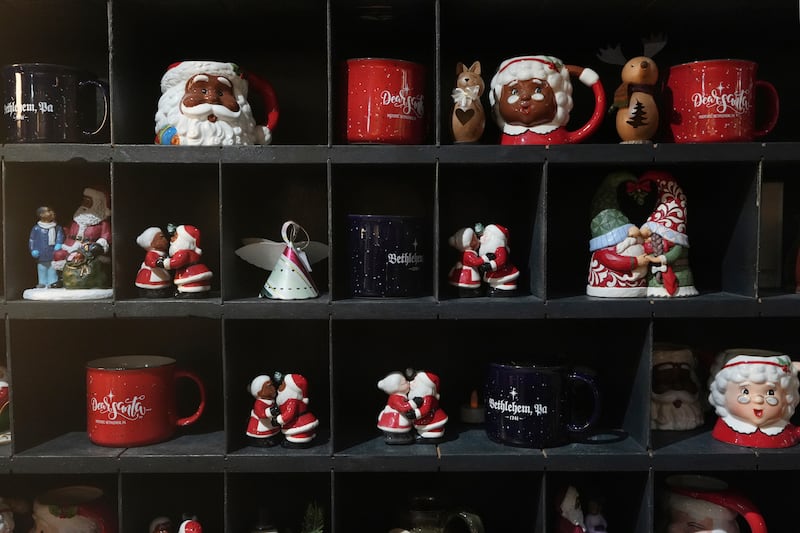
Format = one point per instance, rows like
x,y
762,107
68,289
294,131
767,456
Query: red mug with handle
x,y
132,400
702,501
720,100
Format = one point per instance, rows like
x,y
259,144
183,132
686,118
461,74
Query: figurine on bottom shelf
x,y
84,258
394,420
499,272
594,520
666,240
5,405
161,524
675,398
298,424
73,509
153,281
46,238
192,278
412,405
464,275
618,264
289,262
262,430
570,519
469,118
191,525
755,397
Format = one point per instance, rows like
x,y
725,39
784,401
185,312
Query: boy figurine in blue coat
x,y
46,237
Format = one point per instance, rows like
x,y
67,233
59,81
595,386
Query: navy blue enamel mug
x,y
535,406
388,256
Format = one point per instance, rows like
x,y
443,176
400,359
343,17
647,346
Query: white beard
x,y
181,243
489,244
664,414
194,129
84,217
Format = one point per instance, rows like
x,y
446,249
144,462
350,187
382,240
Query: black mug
x,y
388,256
533,405
46,103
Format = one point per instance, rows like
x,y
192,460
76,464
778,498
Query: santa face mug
x,y
131,400
205,103
530,404
531,99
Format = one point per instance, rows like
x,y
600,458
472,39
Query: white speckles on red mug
x,y
131,400
719,100
385,101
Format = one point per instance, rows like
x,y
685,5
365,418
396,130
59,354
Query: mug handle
x,y
591,79
773,106
463,518
104,91
202,406
592,384
267,93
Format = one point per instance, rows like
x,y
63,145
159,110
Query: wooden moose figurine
x,y
637,99
469,118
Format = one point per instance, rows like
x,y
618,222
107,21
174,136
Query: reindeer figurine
x,y
637,99
469,119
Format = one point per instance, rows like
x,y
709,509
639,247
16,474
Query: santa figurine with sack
x,y
666,241
205,103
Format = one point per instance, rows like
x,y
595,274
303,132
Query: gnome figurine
x,y
665,240
618,265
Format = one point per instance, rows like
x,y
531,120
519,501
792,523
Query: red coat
x,y
75,235
758,439
261,424
391,418
190,274
151,276
431,418
297,422
465,272
503,272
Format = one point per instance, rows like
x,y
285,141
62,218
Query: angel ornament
x,y
289,262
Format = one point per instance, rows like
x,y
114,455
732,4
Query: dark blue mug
x,y
389,256
535,405
46,103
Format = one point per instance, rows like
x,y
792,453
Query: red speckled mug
x,y
715,101
384,101
131,400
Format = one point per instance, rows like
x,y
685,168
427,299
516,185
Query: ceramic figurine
x,y
289,262
637,99
46,238
413,404
464,275
84,259
298,424
666,240
531,100
499,273
5,405
192,279
205,103
395,420
754,396
675,398
618,264
263,430
469,118
161,524
570,513
73,509
594,520
151,280
697,503
190,525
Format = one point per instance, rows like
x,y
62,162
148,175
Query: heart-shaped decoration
x,y
464,116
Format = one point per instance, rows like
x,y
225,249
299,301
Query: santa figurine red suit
x,y
395,418
464,275
297,423
429,418
153,281
262,429
497,269
190,526
192,278
571,513
90,228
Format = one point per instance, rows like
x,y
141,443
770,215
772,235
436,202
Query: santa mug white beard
x,y
211,123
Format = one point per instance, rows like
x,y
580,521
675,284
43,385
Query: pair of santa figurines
x,y
280,413
412,412
484,266
651,260
172,266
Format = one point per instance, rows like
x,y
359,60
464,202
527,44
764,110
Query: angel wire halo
x,y
288,261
